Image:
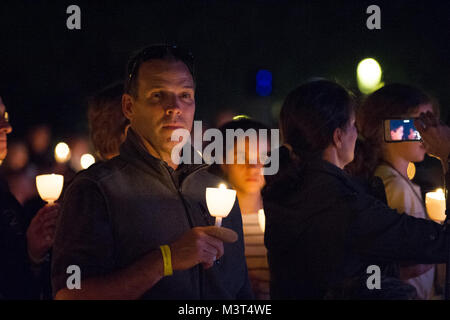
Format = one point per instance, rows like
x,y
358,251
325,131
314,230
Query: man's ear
x,y
127,106
337,138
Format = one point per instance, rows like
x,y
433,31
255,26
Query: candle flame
x,y
222,186
87,160
440,190
62,152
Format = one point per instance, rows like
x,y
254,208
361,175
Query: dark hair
x,y
244,123
395,125
107,122
311,113
393,100
154,52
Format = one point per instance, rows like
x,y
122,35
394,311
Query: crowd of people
x,y
136,223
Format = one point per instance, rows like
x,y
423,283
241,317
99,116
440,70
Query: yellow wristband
x,y
167,258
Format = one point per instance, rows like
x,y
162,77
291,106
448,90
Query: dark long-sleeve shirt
x,y
16,278
323,230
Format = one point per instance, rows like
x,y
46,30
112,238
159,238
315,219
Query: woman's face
x,y
247,177
412,151
349,137
397,134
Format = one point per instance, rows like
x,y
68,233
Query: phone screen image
x,y
397,130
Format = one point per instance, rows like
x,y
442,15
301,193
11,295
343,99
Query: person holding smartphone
x,y
436,137
324,234
390,160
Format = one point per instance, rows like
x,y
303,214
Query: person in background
x,y
247,179
107,123
436,137
20,176
390,161
323,231
23,249
41,155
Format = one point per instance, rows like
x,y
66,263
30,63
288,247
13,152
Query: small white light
x,y
62,152
87,160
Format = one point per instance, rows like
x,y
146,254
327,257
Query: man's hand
x,y
200,245
41,232
436,136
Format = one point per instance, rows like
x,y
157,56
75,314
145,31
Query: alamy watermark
x,y
73,22
237,147
374,279
74,280
373,22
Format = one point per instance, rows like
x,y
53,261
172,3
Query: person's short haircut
x,y
107,122
154,52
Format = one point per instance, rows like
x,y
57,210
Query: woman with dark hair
x,y
326,237
390,161
247,179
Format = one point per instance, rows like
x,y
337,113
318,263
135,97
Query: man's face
x,y
165,102
5,128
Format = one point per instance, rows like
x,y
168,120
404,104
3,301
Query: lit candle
x,y
62,152
49,186
87,160
262,219
435,203
220,201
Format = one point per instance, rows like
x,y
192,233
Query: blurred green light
x,y
240,117
369,75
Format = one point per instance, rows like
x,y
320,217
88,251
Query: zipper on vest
x,y
191,224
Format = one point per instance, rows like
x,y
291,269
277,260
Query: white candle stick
x,y
262,220
435,203
49,186
220,201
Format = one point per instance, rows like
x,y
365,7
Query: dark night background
x,y
47,71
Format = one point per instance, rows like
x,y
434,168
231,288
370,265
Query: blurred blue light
x,y
263,82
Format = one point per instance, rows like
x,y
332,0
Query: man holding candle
x,y
23,250
137,225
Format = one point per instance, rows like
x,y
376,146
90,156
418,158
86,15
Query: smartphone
x,y
400,130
